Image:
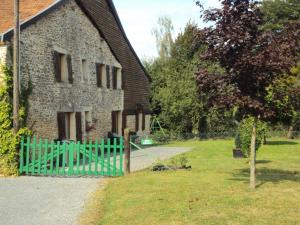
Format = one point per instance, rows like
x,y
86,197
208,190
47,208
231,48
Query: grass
x,y
214,192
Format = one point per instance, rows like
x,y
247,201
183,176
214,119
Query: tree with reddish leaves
x,y
252,59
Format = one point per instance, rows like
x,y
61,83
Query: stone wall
x,y
4,59
68,29
130,122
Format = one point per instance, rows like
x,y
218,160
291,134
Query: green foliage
x,y
8,140
174,94
180,162
160,137
244,134
220,121
279,12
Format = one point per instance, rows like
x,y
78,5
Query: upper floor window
x,y
100,75
117,78
63,67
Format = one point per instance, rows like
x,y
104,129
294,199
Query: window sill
x,y
64,85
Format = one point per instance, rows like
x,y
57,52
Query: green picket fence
x,y
41,157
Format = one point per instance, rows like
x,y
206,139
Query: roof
x,y
28,9
32,10
104,16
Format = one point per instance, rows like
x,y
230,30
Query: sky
x,y
139,18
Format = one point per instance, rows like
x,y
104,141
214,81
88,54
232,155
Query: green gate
x,y
41,157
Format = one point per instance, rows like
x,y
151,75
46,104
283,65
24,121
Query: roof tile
x,y
28,9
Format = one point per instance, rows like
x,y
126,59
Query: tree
x,y
163,34
278,13
174,95
252,59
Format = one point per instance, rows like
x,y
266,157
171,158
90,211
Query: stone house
x,y
87,79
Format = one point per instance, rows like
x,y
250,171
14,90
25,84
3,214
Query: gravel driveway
x,y
54,200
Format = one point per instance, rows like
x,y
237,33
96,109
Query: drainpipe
x,y
16,67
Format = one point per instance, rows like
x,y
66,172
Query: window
x,y
117,79
116,122
66,126
84,69
100,71
63,67
108,76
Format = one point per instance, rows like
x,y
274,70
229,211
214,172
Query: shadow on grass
x,y
281,143
263,161
266,175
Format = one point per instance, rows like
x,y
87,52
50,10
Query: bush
x,y
244,133
8,140
160,137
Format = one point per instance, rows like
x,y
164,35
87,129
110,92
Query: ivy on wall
x,y
8,140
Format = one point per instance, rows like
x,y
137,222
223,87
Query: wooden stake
x,y
253,156
127,150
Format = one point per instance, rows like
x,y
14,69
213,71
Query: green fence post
x,y
90,157
21,155
77,157
102,157
27,154
39,155
84,155
45,156
71,148
121,156
108,157
96,157
33,155
115,157
64,158
51,158
57,157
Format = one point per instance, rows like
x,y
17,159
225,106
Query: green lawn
x,y
214,192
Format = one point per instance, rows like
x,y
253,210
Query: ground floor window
x,y
116,122
66,122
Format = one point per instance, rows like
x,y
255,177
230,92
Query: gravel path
x,y
51,201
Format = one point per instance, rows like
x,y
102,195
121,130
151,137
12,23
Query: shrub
x,y
244,133
8,140
160,137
